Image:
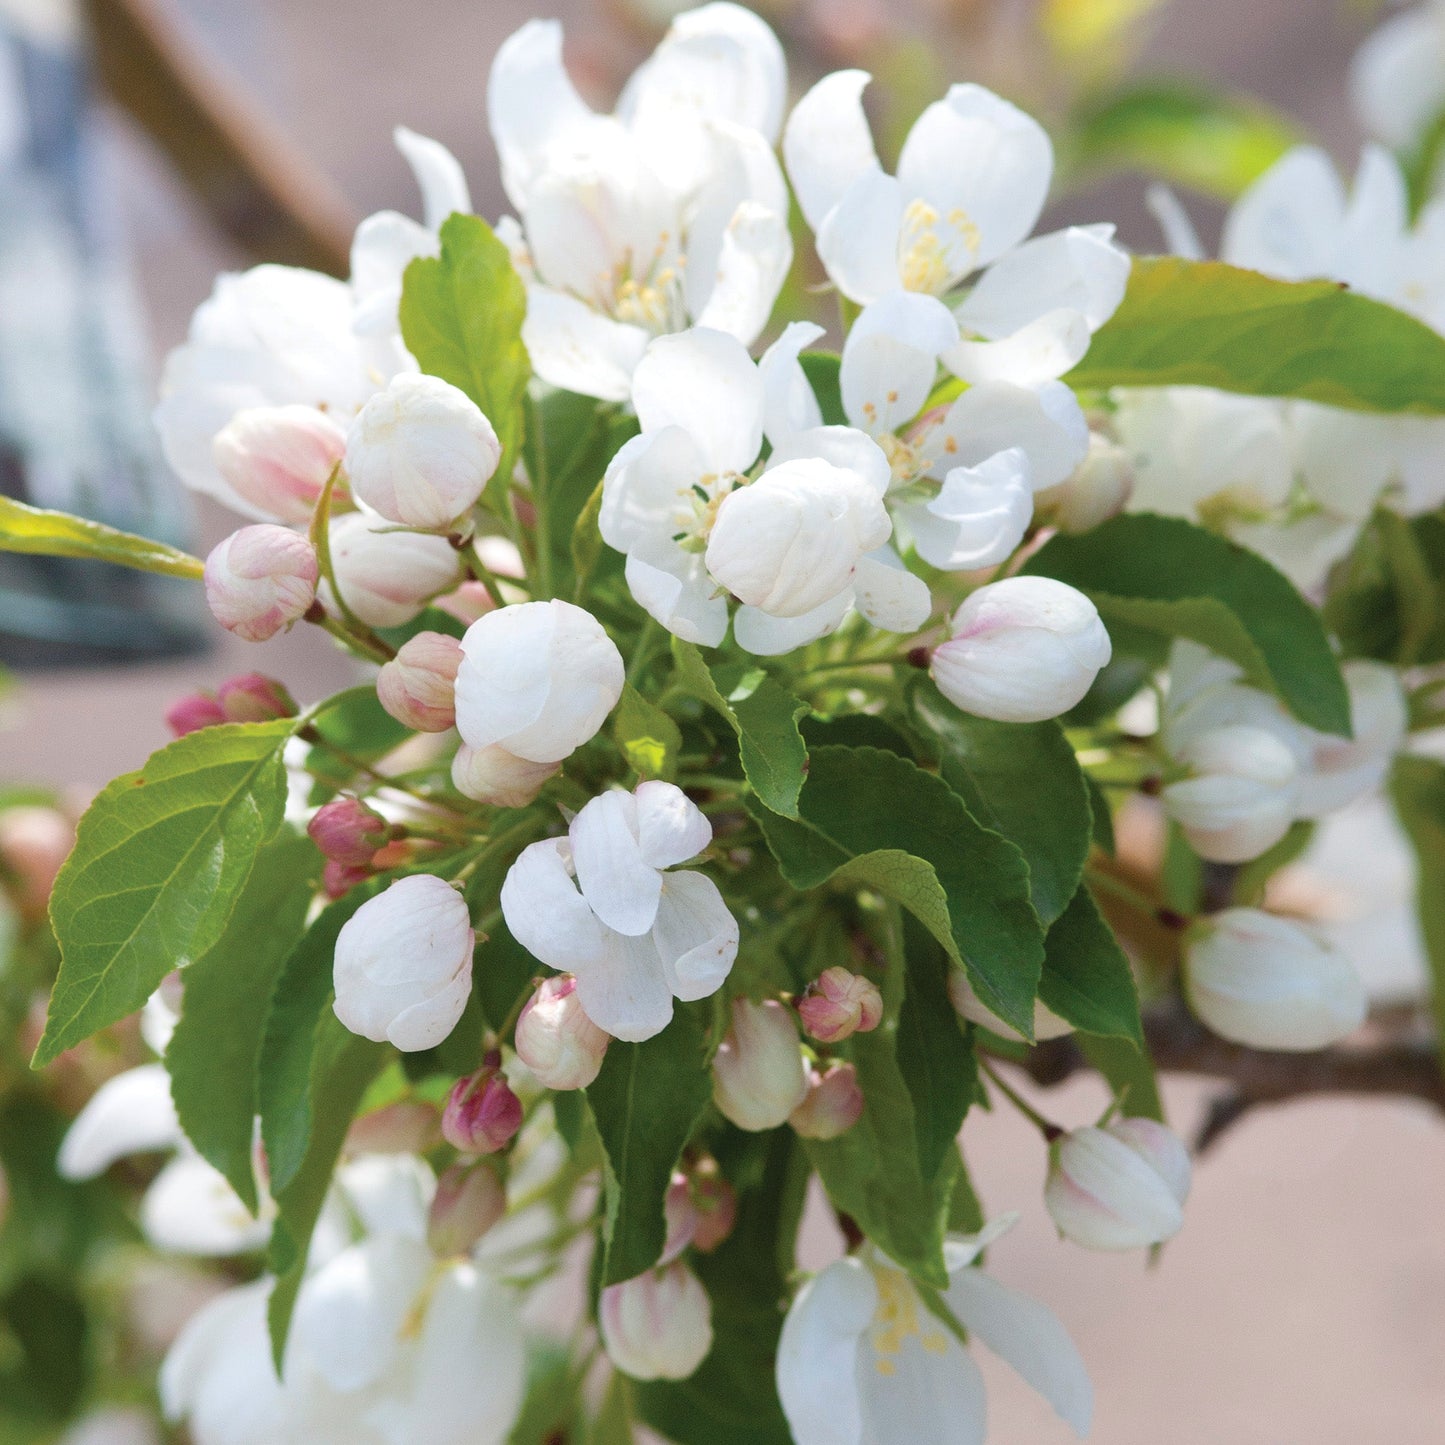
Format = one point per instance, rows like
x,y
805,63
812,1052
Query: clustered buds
x,y
832,1105
758,1075
1119,1187
348,832
700,1210
838,1004
657,1326
418,686
261,579
482,1114
248,698
556,1040
469,1200
277,458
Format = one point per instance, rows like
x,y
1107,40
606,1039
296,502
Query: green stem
x,y
1106,883
1046,1127
540,478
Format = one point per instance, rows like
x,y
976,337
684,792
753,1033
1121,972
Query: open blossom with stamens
x,y
671,212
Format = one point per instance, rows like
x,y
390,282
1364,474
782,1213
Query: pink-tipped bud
x,y
657,1326
254,698
716,1202
338,879
418,686
278,458
482,1113
758,1077
408,1126
680,1213
469,1200
260,580
556,1040
838,1004
34,842
834,1103
493,775
348,832
193,712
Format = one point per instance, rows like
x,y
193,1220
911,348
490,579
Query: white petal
x,y
647,493
1370,240
696,935
840,446
579,349
384,246
189,1208
756,253
889,595
828,143
438,174
1288,222
129,1114
625,992
859,239
387,1193
890,359
706,383
506,677
818,1355
916,1391
621,889
979,516
1397,77
1180,237
671,828
764,635
544,911
1045,422
1030,1338
1041,351
682,597
1343,457
788,402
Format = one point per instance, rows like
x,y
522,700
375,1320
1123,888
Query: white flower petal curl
x,y
695,934
888,594
129,1114
438,175
579,349
545,912
1045,422
890,359
818,1352
620,888
789,404
828,143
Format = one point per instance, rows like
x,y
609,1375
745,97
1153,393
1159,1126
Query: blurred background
x,y
1305,1301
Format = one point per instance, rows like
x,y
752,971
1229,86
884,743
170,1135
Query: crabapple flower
x,y
556,1040
420,453
1022,650
493,775
862,1361
832,1105
1397,77
385,576
253,697
259,580
1119,1187
838,1004
277,459
1339,770
978,518
671,212
608,904
469,1200
657,1326
349,832
1269,983
193,712
482,1114
403,964
758,1073
968,1005
1099,488
418,686
1240,798
537,679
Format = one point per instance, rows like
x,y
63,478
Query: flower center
x,y
697,509
650,296
899,1317
935,250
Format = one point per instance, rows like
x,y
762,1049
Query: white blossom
x,y
1397,77
386,576
758,1072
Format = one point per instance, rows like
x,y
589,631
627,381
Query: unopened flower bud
x,y
557,1041
838,1004
34,842
1120,1187
385,576
482,1113
407,1126
277,458
1241,797
967,1003
338,879
254,698
1270,983
193,712
716,1202
1097,491
403,965
1023,650
758,1077
834,1103
680,1214
348,832
493,775
657,1326
469,1200
418,686
260,580
420,452
1342,769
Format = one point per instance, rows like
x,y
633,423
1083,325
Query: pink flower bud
x,y
34,842
482,1113
493,775
418,686
338,879
408,1126
254,698
1097,490
657,1326
838,1004
556,1040
278,458
386,577
193,712
348,832
469,1200
717,1207
260,580
833,1105
758,1077
680,1214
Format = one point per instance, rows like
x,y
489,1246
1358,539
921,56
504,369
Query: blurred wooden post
x,y
253,182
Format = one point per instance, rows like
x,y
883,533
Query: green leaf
x,y
1417,789
1202,323
646,1101
649,739
1021,780
823,370
58,534
160,860
1387,598
45,1349
461,317
214,1056
765,717
1171,577
1184,133
1087,979
1129,1071
872,819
